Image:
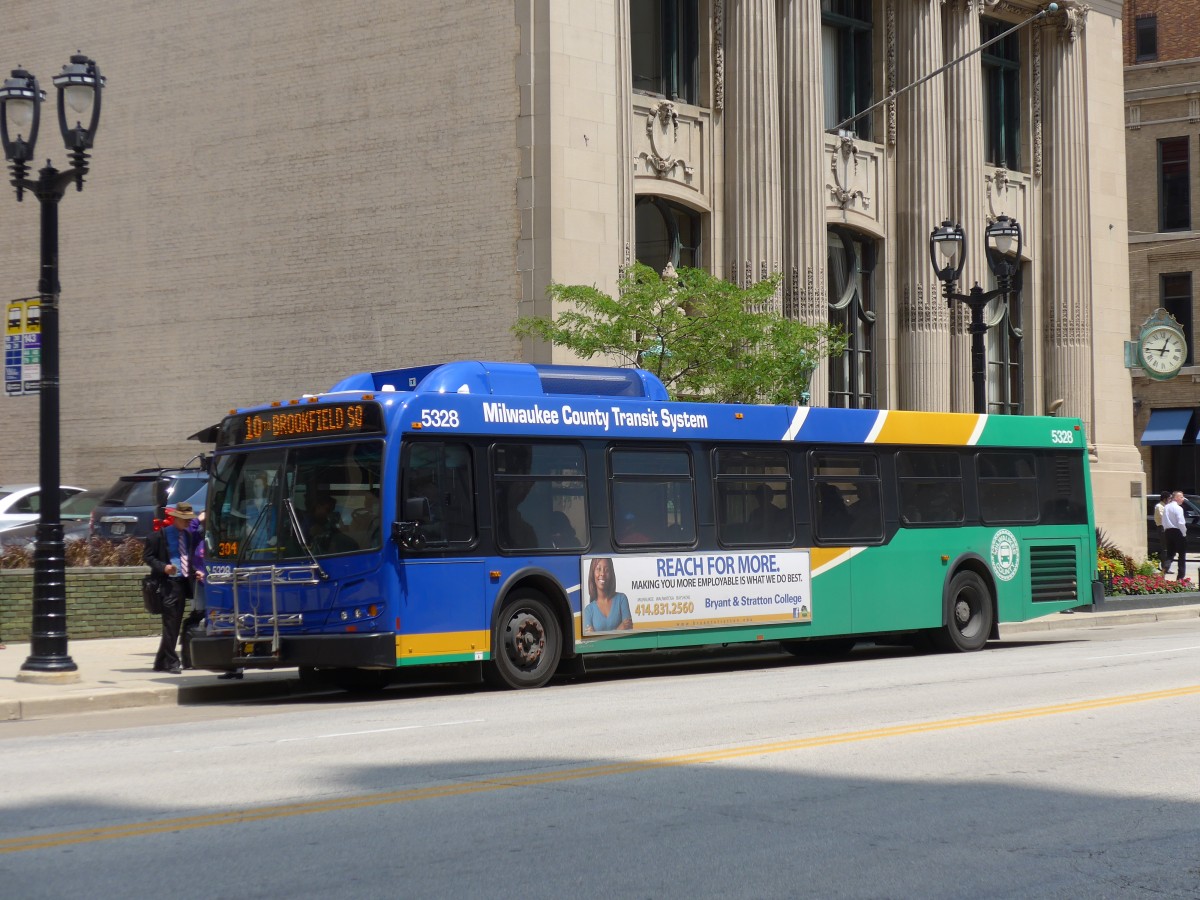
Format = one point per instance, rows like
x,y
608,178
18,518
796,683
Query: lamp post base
x,y
69,677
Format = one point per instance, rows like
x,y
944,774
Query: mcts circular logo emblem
x,y
1006,555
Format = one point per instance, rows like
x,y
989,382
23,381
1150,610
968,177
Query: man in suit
x,y
168,553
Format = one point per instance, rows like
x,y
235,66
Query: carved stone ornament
x,y
997,194
662,127
1074,21
890,29
845,155
719,55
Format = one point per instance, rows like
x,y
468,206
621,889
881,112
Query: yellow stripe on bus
x,y
927,428
411,646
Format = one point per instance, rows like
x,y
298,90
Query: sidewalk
x,y
116,673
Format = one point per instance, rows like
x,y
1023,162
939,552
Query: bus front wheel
x,y
969,615
527,643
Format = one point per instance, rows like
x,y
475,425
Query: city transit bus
x,y
518,518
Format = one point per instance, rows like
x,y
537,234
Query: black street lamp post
x,y
1004,259
79,87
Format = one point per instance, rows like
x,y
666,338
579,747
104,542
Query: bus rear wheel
x,y
527,643
969,616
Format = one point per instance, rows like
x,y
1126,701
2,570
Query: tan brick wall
x,y
281,193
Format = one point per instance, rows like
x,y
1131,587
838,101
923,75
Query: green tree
x,y
702,336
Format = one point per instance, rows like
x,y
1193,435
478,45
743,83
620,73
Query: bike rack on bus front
x,y
248,627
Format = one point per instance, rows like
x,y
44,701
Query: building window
x,y
846,48
1177,300
1002,96
1005,375
667,233
1146,28
852,306
664,37
1174,190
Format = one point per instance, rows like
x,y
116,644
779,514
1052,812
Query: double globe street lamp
x,y
79,88
948,253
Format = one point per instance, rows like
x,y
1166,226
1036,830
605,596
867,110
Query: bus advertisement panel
x,y
698,590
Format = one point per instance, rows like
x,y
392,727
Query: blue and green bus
x,y
520,518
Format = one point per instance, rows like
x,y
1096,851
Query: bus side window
x,y
539,489
1008,487
436,492
652,497
848,501
753,491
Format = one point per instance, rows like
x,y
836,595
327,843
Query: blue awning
x,y
1166,427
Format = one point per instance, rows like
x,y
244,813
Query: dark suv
x,y
130,506
1191,513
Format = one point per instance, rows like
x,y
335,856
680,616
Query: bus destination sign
x,y
295,423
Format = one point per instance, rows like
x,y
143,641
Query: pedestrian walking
x,y
168,553
1175,534
1164,497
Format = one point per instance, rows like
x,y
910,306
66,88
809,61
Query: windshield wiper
x,y
295,520
246,544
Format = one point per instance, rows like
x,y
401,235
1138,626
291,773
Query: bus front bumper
x,y
317,651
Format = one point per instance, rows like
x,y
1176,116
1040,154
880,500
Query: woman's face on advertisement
x,y
604,576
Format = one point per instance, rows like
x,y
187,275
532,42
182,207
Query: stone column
x,y
1066,269
626,239
802,126
752,181
968,205
922,200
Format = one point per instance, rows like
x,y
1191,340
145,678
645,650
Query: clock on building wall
x,y
1161,346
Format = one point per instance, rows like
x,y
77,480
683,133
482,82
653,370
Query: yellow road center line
x,y
479,786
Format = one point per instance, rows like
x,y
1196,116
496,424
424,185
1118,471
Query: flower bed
x,y
94,552
1129,585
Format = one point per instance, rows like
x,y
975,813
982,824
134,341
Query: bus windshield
x,y
333,488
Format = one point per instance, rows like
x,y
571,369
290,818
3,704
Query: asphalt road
x,y
1055,767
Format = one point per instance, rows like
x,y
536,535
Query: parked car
x,y
1191,512
76,516
19,503
130,506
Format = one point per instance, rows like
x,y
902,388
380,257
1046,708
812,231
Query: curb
x,y
1059,622
101,699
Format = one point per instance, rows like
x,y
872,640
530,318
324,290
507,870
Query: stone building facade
x,y
293,191
1162,118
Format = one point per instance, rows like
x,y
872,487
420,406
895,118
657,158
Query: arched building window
x,y
852,306
667,233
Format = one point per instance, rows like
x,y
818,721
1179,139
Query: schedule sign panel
x,y
22,348
14,349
